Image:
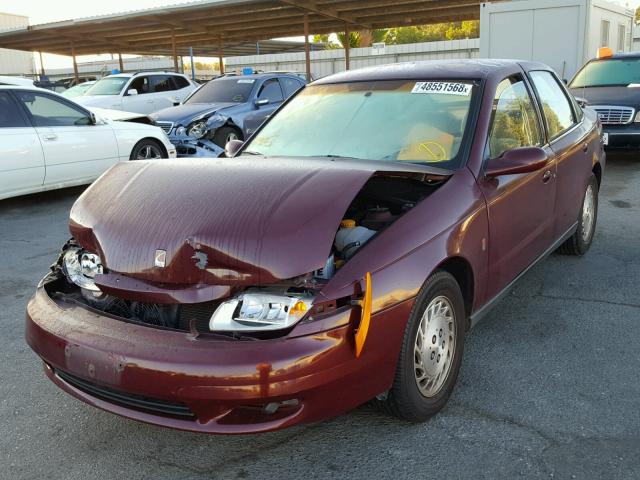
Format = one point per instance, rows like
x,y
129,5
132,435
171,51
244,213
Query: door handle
x,y
547,176
50,136
149,101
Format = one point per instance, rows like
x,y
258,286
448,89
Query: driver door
x,y
520,206
75,150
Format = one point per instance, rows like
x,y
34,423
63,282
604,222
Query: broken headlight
x,y
260,310
198,130
81,267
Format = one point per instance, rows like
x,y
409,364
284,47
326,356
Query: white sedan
x,y
49,142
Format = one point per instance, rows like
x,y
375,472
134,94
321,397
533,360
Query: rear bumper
x,y
213,386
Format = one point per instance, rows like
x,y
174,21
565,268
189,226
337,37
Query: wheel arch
x,y
151,139
462,271
597,171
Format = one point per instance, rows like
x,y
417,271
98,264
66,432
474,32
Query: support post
x,y
221,58
75,64
307,53
175,52
42,72
120,63
193,67
347,48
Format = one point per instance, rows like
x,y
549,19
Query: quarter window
x,y
271,91
515,120
10,115
50,112
555,104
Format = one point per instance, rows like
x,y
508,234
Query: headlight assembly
x,y
260,310
637,119
81,267
197,130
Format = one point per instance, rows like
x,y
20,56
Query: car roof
x,y
260,76
436,69
135,74
618,56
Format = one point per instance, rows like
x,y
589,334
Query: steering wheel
x,y
435,149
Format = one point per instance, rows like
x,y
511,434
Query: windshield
x,y
608,73
76,91
420,122
224,90
108,86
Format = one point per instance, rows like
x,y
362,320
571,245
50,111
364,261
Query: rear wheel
x,y
224,135
580,242
431,352
147,149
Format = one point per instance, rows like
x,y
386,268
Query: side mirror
x,y
518,160
132,91
232,147
92,118
260,102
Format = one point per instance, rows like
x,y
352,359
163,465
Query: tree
x,y
638,15
402,35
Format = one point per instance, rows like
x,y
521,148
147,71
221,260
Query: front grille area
x,y
614,115
166,126
128,400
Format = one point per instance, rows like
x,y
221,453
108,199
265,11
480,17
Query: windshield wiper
x,y
249,152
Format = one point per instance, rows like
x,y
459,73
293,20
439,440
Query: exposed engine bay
x,y
258,312
382,200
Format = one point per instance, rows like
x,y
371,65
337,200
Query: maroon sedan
x,y
341,256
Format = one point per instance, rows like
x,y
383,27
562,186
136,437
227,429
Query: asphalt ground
x,y
549,387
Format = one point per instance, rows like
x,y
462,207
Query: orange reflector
x,y
299,308
365,318
605,52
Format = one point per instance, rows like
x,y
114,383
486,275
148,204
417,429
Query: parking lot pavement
x,y
550,383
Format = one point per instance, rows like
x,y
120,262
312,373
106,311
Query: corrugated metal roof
x,y
230,27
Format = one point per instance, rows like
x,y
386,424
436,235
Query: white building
x,y
14,62
561,33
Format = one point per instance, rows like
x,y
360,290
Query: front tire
x,y
580,242
147,149
224,135
431,352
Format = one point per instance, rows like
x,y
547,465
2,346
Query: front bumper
x,y
623,137
187,147
178,380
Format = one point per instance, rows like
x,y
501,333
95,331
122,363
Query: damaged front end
x,y
201,137
215,273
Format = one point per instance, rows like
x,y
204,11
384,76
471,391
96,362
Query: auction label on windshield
x,y
445,88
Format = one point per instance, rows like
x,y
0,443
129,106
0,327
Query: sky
x,y
43,11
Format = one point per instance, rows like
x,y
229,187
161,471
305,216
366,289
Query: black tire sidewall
x,y
221,135
417,406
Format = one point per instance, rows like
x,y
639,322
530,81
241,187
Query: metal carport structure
x,y
218,27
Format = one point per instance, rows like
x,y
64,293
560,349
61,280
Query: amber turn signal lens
x,y
299,309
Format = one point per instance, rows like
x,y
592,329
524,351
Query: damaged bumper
x,y
179,380
189,147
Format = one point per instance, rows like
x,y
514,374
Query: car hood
x,y
186,113
98,100
243,221
621,96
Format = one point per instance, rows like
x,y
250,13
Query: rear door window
x,y
556,106
10,114
161,83
180,82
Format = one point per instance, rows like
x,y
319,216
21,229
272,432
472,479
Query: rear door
x,y
22,166
572,141
183,87
521,206
75,150
163,91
